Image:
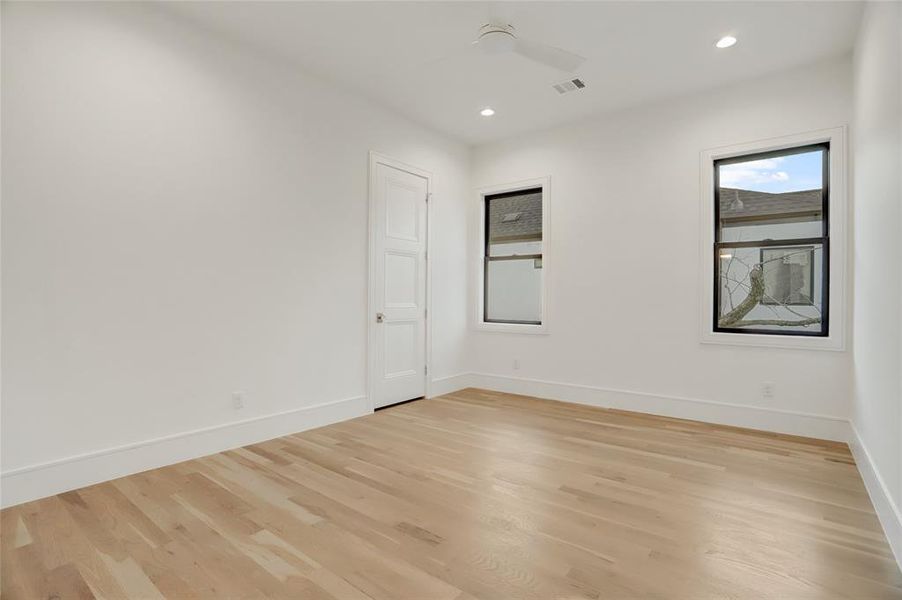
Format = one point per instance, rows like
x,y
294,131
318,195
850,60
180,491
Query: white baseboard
x,y
823,427
46,479
38,481
446,385
755,417
887,510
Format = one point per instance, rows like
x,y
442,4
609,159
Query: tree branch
x,y
756,292
778,322
735,317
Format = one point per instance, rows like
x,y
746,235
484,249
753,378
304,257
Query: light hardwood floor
x,y
471,495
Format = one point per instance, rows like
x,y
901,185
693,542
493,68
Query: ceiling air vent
x,y
571,85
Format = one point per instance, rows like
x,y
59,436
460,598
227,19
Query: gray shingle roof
x,y
515,218
736,204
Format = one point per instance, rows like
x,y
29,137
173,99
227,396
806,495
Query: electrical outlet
x,y
767,389
237,400
516,364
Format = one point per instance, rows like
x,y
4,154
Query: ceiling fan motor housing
x,y
495,39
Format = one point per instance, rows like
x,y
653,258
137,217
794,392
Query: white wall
x,y
183,218
624,284
877,317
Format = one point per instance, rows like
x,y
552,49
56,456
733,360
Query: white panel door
x,y
400,280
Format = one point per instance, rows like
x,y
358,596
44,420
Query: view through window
x,y
513,257
771,248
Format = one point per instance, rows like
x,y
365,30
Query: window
x,y
513,278
771,242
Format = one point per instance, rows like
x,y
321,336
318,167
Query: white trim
x,y
376,158
826,427
839,219
479,219
56,476
450,384
517,328
888,511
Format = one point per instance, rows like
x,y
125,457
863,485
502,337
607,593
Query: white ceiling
x,y
637,51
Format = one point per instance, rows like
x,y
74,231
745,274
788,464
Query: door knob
x,y
380,317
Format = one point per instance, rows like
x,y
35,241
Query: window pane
x,y
515,223
514,290
779,197
515,248
771,288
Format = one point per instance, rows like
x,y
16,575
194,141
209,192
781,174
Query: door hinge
x,y
426,369
428,196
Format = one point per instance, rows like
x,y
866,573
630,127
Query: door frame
x,y
375,159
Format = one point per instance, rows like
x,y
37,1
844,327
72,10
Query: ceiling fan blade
x,y
549,55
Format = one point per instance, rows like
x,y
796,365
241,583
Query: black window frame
x,y
487,257
823,240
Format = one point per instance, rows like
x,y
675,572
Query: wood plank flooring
x,y
471,495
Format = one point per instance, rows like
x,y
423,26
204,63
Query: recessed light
x,y
487,112
726,41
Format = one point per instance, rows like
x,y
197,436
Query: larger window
x,y
512,258
771,242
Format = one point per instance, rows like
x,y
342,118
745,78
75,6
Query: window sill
x,y
520,328
792,342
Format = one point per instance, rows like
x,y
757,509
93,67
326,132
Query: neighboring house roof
x,y
515,218
748,205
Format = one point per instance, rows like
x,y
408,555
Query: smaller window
x,y
771,242
512,258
